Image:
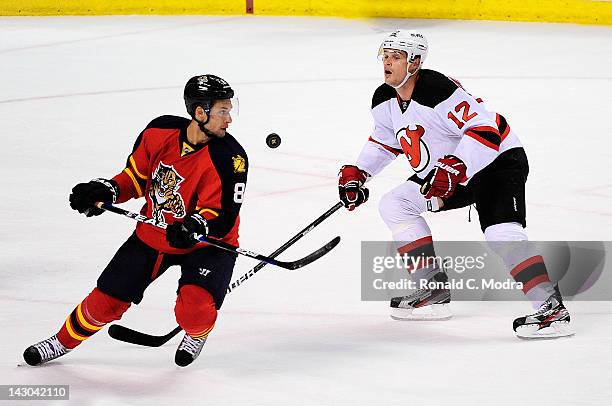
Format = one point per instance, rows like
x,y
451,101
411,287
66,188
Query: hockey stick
x,y
286,245
121,333
228,247
125,334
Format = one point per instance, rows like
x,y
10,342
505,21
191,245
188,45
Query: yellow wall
x,y
106,7
574,11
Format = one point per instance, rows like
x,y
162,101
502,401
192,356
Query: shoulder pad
x,y
382,94
432,88
169,122
228,155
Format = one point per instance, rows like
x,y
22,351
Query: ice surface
x,y
75,93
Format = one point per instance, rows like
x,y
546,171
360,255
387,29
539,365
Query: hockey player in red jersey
x,y
192,174
461,154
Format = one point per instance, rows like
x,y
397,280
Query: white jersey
x,y
441,118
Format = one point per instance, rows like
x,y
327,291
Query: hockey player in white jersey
x,y
461,154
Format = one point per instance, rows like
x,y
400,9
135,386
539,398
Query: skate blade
x,y
432,312
555,330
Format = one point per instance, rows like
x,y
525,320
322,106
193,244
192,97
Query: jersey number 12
x,y
466,114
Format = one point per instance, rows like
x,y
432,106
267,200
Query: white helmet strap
x,y
408,75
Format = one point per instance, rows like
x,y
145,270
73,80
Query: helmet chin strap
x,y
205,130
408,76
201,125
209,133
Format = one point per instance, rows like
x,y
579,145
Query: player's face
x,y
395,65
220,117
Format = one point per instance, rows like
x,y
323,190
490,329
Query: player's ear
x,y
200,114
414,65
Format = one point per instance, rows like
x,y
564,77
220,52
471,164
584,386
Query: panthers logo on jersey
x,y
163,193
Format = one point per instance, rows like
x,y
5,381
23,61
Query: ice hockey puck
x,y
273,140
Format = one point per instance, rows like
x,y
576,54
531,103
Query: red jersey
x,y
177,178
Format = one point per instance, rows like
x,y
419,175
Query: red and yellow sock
x,y
195,311
93,313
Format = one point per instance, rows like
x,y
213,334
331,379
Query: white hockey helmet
x,y
412,42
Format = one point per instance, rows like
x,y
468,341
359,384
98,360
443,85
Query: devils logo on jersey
x,y
413,146
163,193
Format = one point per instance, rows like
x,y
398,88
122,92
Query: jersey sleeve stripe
x,y
502,124
134,181
133,162
487,136
211,211
483,141
388,148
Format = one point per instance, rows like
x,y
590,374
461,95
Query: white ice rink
x,y
75,93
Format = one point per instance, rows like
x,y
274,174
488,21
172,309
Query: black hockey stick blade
x,y
310,257
128,335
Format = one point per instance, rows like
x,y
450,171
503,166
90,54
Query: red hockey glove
x,y
350,186
442,180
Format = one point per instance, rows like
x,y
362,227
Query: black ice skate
x,y
550,321
44,351
432,304
188,350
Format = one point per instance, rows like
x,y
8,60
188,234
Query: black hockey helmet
x,y
203,90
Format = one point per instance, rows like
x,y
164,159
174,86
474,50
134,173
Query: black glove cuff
x,y
202,224
112,186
